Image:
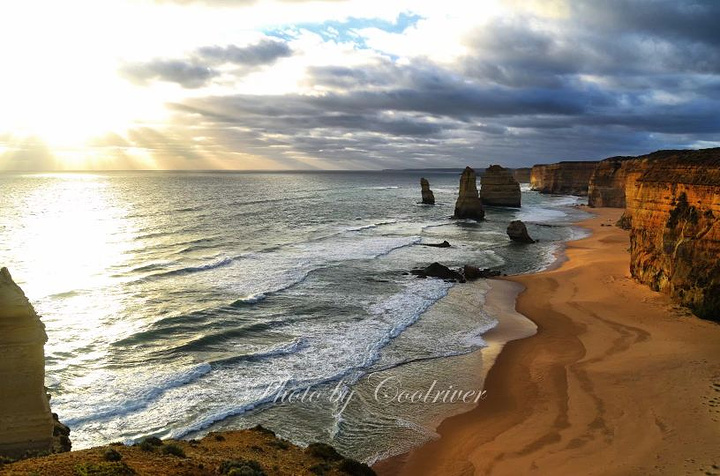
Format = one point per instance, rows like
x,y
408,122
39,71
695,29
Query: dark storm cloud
x,y
513,52
687,20
261,53
185,73
615,78
197,70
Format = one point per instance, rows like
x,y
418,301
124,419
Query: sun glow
x,y
61,85
67,102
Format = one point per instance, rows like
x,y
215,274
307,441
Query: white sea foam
x,y
262,269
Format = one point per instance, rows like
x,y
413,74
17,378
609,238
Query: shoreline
x,y
565,399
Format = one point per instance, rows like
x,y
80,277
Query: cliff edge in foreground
x,y
27,427
254,452
26,423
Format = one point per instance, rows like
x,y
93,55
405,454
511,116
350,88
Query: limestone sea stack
x,y
499,188
26,423
468,204
428,197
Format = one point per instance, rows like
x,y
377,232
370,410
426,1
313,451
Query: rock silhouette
x,y
468,204
499,187
428,197
517,231
26,423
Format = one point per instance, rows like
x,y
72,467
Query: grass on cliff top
x,y
256,452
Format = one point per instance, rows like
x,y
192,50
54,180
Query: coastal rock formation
x,y
437,270
444,244
517,231
428,197
472,273
26,424
499,187
468,204
673,209
607,183
522,174
566,178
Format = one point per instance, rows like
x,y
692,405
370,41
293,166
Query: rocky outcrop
x,y
472,273
437,270
673,209
468,204
499,187
517,231
566,178
522,174
26,423
428,197
444,244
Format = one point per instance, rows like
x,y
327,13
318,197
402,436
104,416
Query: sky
x,y
352,84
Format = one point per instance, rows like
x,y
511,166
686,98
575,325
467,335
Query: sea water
x,y
178,303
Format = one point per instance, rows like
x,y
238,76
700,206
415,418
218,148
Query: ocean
x,y
178,303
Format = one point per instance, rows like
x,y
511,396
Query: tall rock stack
x,y
26,424
499,187
468,204
428,197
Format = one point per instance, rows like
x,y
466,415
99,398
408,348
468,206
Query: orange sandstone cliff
x,y
607,183
673,207
569,178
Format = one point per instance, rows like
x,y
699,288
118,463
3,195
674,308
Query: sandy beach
x,y
618,380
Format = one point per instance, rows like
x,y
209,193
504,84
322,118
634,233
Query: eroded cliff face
x,y
607,183
673,209
522,174
26,423
567,178
468,204
499,187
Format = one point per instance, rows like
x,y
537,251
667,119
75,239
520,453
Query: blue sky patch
x,y
345,31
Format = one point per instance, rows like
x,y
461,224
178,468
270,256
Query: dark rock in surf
x,y
444,244
437,270
517,231
428,197
472,273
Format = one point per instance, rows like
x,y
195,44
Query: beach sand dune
x,y
618,380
